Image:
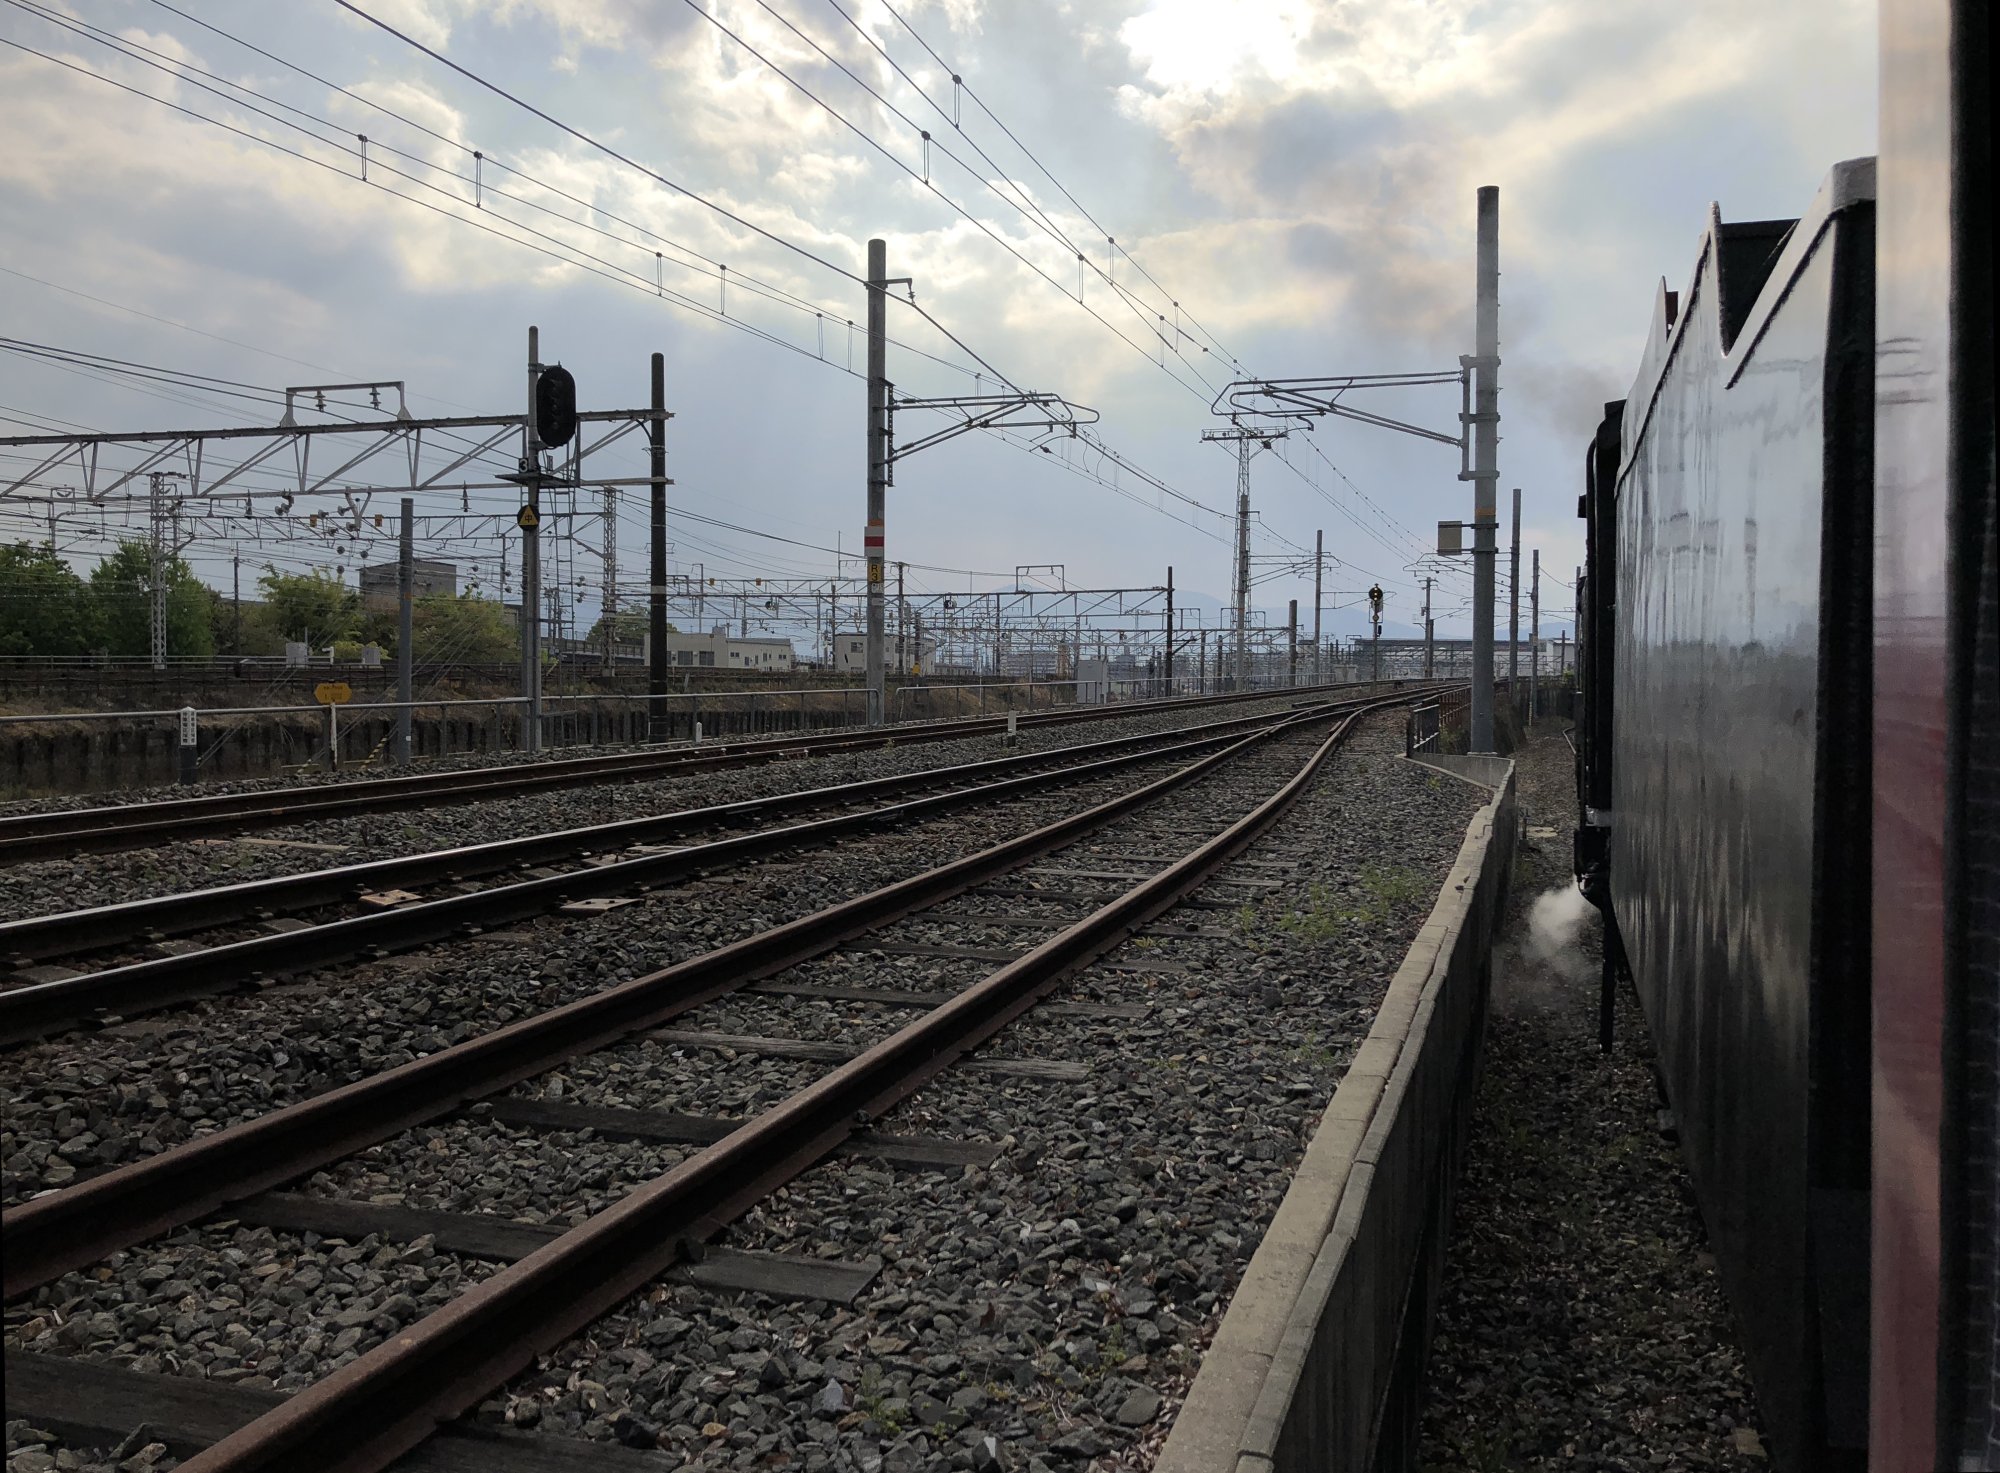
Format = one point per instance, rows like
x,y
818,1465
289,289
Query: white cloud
x,y
1298,174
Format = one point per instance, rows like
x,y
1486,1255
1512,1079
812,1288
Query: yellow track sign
x,y
333,693
527,518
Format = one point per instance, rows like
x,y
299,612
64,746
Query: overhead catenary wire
x,y
922,181
1030,154
1103,449
167,62
1025,203
632,279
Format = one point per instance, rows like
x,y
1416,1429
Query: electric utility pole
x,y
1375,614
1430,637
1535,636
1014,410
1292,643
1514,612
405,629
549,424
1485,474
878,468
1477,440
530,521
1167,655
656,570
1319,597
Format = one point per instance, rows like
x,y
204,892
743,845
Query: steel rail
x,y
37,1009
99,927
65,832
77,1225
370,1412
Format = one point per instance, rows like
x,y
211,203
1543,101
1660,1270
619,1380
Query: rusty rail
x,y
61,833
373,1410
79,1224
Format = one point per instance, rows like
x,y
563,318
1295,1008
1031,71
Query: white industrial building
x,y
721,650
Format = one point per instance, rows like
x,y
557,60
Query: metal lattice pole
x,y
1319,598
405,633
157,546
1242,601
610,494
1535,637
1514,611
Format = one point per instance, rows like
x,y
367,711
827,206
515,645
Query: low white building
x,y
721,650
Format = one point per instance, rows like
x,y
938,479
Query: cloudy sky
x,y
1290,187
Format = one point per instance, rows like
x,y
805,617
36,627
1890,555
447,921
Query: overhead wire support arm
x,y
1323,397
1024,411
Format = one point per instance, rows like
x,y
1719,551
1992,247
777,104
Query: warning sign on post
x,y
527,519
333,693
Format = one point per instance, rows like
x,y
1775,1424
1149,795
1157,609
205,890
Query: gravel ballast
x,y
42,886
1046,1310
1581,1323
90,1100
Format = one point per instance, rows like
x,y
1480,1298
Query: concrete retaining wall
x,y
1488,772
1318,1362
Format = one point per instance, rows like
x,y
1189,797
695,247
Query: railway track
x,y
1172,835
377,908
64,832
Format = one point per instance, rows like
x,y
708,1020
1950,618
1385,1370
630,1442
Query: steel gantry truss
x,y
354,449
1011,632
292,446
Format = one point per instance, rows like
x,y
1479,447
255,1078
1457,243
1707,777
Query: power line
x,y
1026,205
603,148
1043,168
924,182
613,273
719,273
635,279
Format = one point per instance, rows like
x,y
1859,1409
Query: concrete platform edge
x,y
1308,1369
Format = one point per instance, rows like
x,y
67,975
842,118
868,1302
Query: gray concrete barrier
x,y
1318,1362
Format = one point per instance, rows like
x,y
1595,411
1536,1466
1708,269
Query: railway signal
x,y
555,405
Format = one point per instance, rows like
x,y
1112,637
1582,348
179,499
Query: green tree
x,y
315,607
628,627
463,630
45,608
121,587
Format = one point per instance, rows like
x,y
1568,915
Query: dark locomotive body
x,y
1788,766
1726,659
